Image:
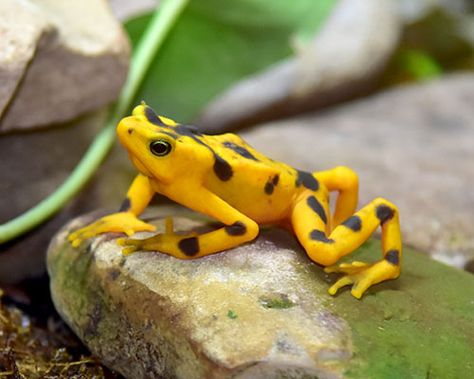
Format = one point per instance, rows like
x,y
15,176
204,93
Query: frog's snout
x,y
125,129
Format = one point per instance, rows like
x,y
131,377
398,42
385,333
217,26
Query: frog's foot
x,y
362,275
159,242
122,222
347,268
130,245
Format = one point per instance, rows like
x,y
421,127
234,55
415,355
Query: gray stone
x,y
412,11
241,315
341,62
58,60
413,145
258,311
125,9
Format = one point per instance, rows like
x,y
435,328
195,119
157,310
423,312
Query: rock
x,y
414,10
412,145
125,9
33,165
340,63
58,60
259,311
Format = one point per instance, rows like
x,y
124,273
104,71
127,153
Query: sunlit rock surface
x,y
259,311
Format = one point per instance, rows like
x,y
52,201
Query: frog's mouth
x,y
140,166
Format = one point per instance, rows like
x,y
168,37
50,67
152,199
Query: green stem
x,y
155,34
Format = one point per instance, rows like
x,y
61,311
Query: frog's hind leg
x,y
309,220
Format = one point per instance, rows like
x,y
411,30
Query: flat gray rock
x,y
413,145
58,60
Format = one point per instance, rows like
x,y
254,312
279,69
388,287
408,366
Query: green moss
x,y
276,301
419,326
231,314
77,285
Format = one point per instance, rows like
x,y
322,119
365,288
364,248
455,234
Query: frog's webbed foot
x,y
122,222
362,275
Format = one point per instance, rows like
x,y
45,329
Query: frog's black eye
x,y
160,147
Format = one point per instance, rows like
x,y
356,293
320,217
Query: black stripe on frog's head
x,y
164,122
242,151
166,126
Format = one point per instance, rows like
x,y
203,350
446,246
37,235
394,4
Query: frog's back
x,y
259,187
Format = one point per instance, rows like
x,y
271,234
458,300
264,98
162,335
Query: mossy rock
x,y
261,311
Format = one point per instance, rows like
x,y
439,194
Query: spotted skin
x,y
320,236
316,206
189,246
271,184
384,213
226,179
236,229
354,223
242,151
307,180
393,256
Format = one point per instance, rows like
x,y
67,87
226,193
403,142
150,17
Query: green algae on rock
x,y
260,311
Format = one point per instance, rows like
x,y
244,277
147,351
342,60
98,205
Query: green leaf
x,y
418,64
213,46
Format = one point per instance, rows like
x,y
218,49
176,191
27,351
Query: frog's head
x,y
159,147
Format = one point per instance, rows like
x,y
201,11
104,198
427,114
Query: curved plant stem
x,y
155,34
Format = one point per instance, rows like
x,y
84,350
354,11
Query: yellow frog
x,y
223,177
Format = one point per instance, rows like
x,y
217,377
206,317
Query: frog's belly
x,y
253,202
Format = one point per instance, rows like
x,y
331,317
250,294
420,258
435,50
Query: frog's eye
x,y
160,147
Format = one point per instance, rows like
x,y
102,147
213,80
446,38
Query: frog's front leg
x,y
238,229
310,222
124,221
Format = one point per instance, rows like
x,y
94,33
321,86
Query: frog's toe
x,y
129,232
122,241
347,268
362,276
129,250
79,236
74,235
130,245
76,242
344,281
360,287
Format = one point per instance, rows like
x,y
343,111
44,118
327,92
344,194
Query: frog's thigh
x,y
345,181
326,249
310,217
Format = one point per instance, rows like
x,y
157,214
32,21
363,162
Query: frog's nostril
x,y
130,130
